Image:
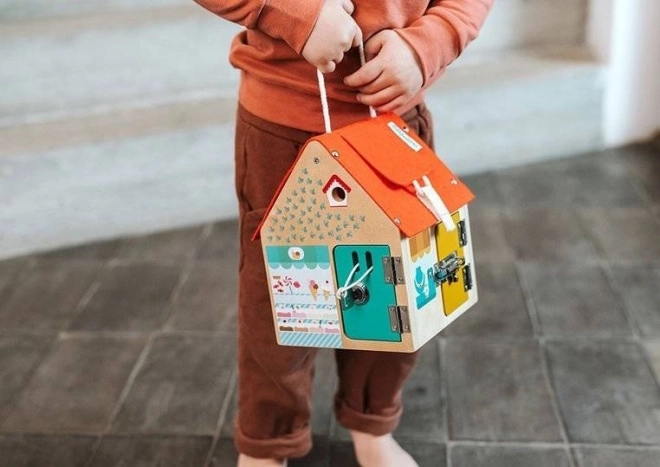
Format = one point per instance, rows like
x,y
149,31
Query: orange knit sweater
x,y
278,85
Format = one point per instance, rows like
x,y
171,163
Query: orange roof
x,y
385,160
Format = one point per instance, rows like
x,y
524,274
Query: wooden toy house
x,y
367,242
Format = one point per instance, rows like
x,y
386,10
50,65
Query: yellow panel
x,y
453,294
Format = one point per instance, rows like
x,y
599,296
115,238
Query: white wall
x,y
625,34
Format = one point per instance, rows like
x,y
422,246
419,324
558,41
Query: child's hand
x,y
392,75
335,32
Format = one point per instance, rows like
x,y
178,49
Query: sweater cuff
x,y
290,20
435,49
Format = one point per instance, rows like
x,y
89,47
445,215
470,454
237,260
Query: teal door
x,y
365,314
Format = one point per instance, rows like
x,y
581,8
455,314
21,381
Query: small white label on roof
x,y
405,137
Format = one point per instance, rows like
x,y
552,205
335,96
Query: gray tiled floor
x,y
123,353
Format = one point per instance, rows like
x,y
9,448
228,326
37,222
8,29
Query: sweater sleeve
x,y
289,20
443,32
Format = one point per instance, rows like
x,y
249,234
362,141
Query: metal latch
x,y
399,319
393,270
446,269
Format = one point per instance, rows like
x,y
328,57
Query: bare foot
x,y
380,451
247,461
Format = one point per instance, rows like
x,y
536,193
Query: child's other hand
x,y
392,75
334,34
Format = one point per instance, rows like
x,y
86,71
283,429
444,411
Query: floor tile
x,y
624,234
18,358
130,298
76,387
222,242
574,299
176,245
319,456
501,309
639,285
484,187
143,451
488,235
424,409
47,296
606,392
180,387
10,272
508,456
653,350
426,454
617,457
342,454
548,234
92,251
224,453
644,160
601,179
207,300
45,451
497,392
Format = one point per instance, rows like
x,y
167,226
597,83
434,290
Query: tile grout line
x,y
632,320
530,304
87,297
120,401
554,400
545,365
635,328
32,263
47,351
184,275
222,415
139,363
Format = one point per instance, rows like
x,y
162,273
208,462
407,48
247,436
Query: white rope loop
x,y
433,202
348,285
324,93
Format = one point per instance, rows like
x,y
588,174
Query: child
x,y
408,44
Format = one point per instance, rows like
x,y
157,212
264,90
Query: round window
x,y
338,194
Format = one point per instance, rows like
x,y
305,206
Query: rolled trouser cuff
x,y
290,446
374,424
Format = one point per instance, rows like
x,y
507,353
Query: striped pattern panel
x,y
311,339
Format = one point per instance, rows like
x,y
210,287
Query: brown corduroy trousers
x,y
275,382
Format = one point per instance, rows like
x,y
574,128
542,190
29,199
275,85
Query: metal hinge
x,y
393,270
462,233
399,319
467,277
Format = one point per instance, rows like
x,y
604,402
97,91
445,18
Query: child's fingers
x,y
392,105
327,66
380,83
365,75
380,98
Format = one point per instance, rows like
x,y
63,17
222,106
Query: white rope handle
x,y
324,93
348,285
